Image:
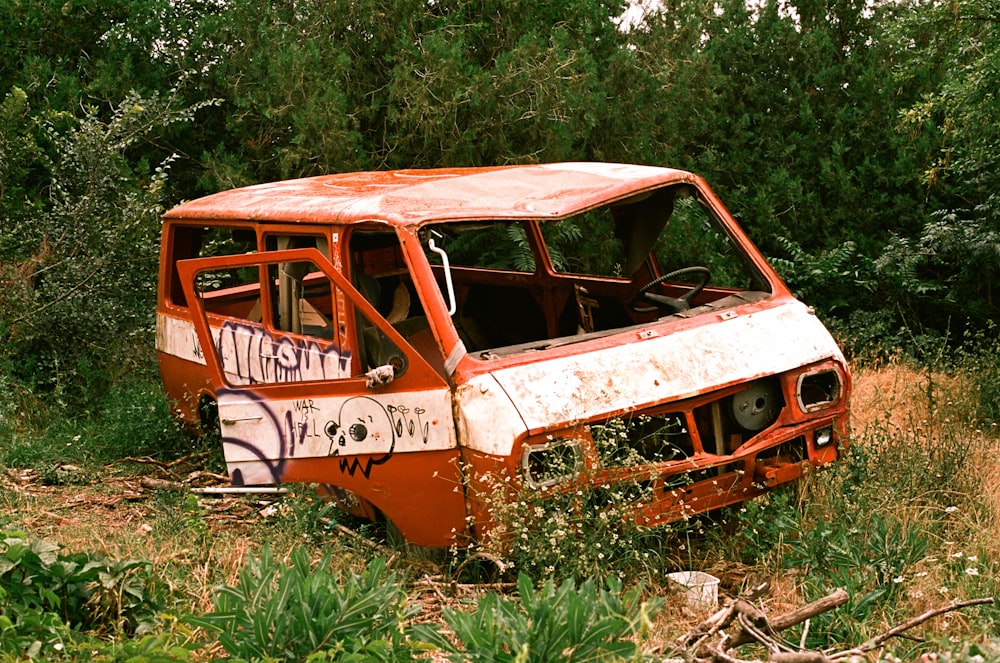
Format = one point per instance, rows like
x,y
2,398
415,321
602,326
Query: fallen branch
x,y
789,619
895,631
709,642
146,460
150,483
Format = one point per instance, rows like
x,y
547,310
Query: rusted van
x,y
403,338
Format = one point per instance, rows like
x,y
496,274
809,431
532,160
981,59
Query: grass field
x,y
908,522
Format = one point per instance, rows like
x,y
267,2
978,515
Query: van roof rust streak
x,y
409,197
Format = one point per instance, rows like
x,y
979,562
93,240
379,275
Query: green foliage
x,y
306,612
45,593
979,360
947,271
78,267
869,559
832,281
132,419
574,530
566,623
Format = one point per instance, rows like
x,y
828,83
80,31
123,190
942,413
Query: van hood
x,y
657,366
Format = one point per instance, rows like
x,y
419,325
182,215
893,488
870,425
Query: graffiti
x,y
251,355
408,424
363,435
365,421
270,463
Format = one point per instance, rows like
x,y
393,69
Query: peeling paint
x,y
715,369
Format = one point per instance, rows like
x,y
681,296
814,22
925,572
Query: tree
x,y
954,261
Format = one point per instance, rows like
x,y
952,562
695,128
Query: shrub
x,y
559,624
288,613
45,594
78,259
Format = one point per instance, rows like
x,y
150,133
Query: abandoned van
x,y
405,339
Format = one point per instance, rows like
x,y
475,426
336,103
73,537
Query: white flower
x,y
972,571
951,509
898,579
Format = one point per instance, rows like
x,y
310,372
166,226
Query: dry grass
x,y
896,410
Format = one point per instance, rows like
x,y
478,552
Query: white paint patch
x,y
487,419
650,371
251,355
258,434
177,337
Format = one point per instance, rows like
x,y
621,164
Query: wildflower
x,y
951,509
898,579
971,571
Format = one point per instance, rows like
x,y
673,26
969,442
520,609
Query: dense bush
x,y
78,265
47,594
310,611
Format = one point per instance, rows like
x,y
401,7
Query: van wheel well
x,y
397,541
208,416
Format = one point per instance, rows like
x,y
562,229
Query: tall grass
x,y
909,519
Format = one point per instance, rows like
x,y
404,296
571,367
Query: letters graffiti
x,y
251,355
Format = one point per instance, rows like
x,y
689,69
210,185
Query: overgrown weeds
x,y
575,530
905,522
909,520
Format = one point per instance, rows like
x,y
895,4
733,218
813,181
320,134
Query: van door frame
x,y
411,416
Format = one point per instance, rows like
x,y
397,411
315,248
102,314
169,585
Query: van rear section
x,y
410,340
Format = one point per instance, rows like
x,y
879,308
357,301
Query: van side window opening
x,y
301,296
202,242
380,273
271,323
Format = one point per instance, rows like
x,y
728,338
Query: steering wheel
x,y
670,304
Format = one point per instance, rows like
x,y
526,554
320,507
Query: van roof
x,y
404,197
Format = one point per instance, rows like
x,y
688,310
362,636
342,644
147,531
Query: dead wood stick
x,y
357,537
427,582
880,639
496,561
798,657
825,604
468,586
201,474
797,616
146,460
150,483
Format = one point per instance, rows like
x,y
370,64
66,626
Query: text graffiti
x,y
361,432
251,355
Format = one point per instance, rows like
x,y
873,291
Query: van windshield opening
x,y
528,285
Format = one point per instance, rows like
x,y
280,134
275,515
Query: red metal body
x,y
404,338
